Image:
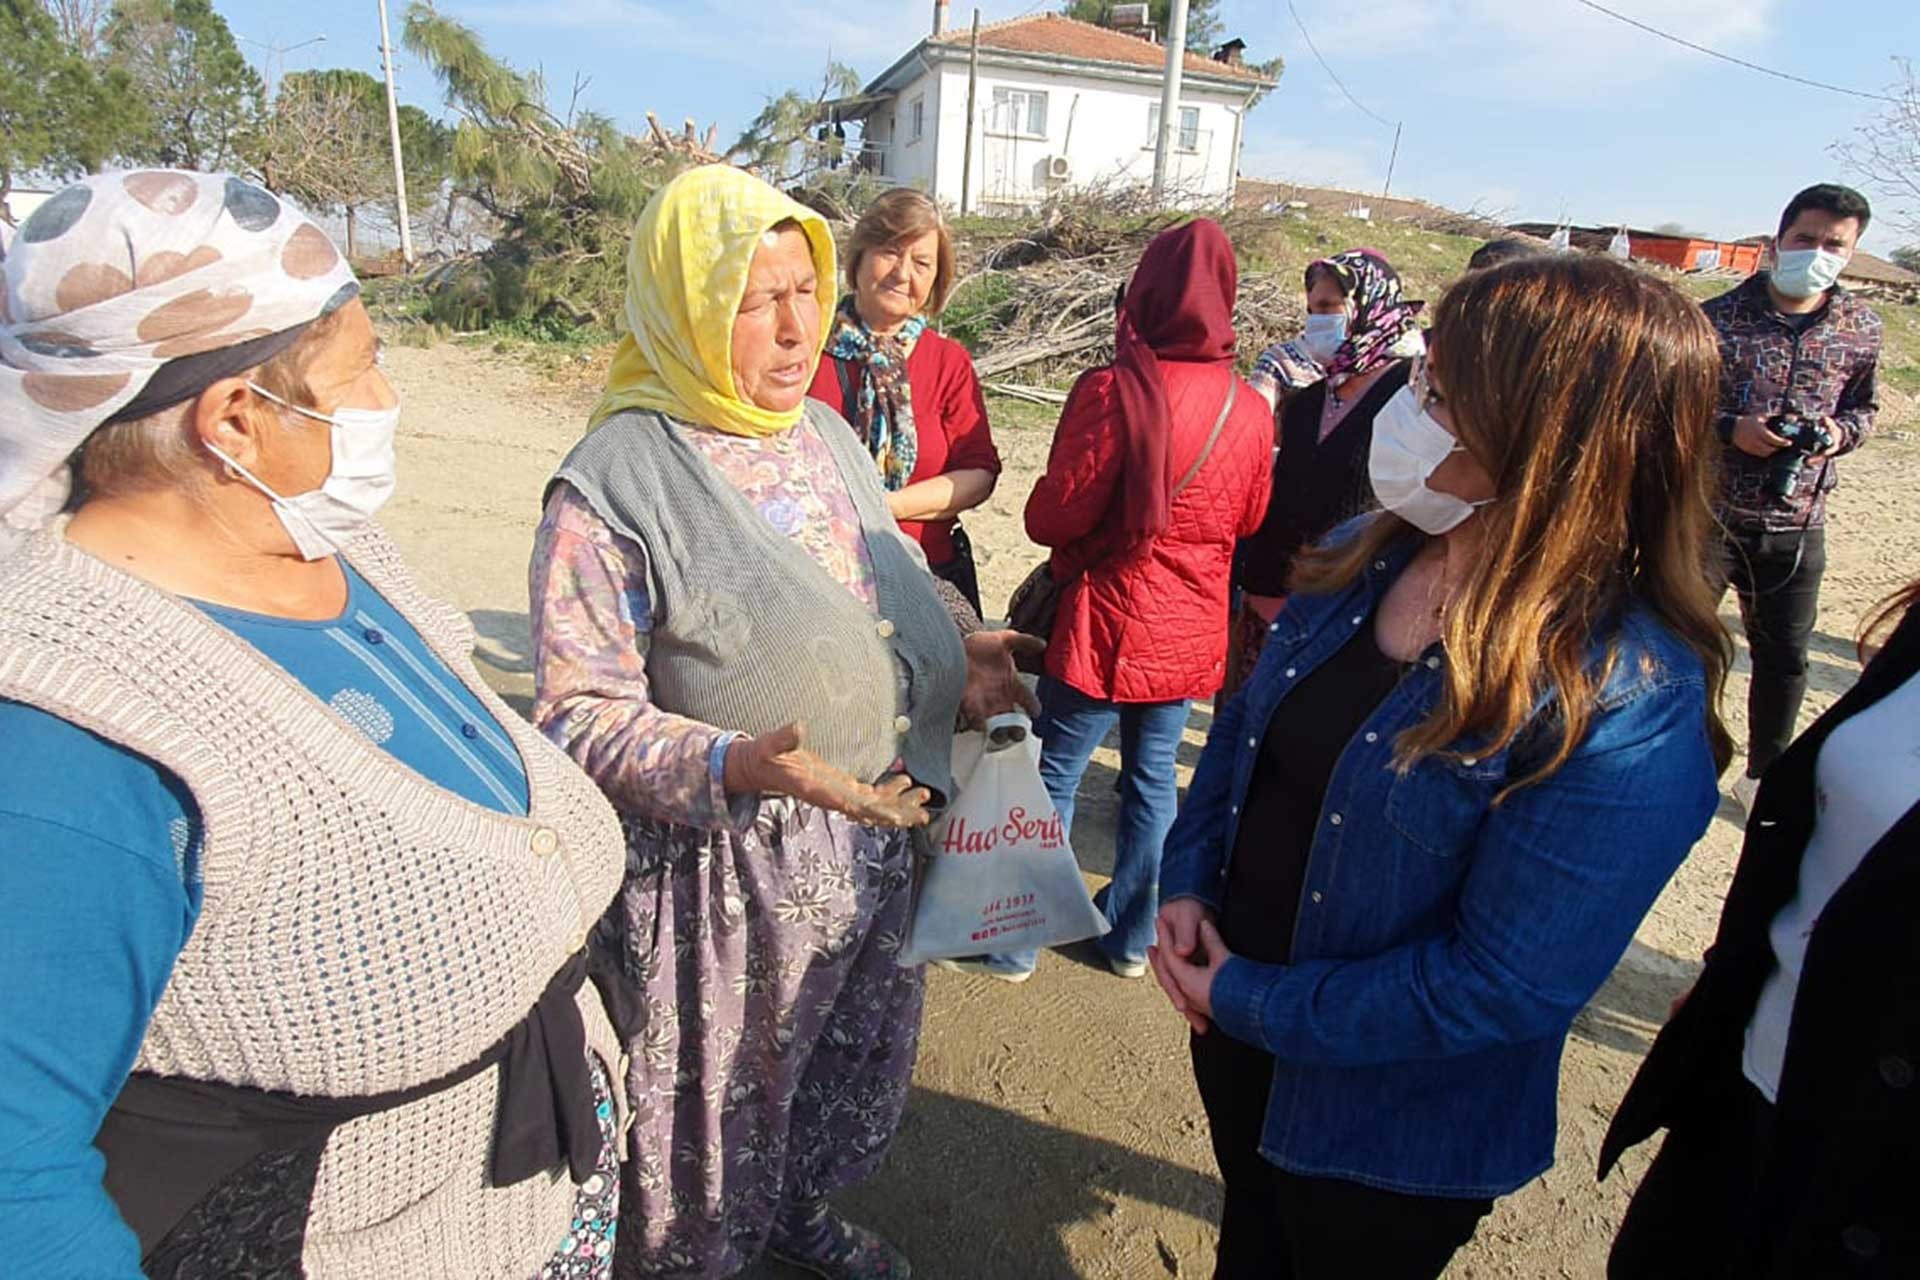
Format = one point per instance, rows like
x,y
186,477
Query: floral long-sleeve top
x,y
592,615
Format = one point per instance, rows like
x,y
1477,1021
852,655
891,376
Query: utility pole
x,y
1170,96
1392,160
973,86
393,130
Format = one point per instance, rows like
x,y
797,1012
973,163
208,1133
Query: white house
x,y
1057,104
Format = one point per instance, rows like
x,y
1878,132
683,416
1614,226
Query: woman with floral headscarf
x,y
293,909
735,639
1363,334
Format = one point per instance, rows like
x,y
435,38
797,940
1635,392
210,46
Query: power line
x,y
1390,124
1726,57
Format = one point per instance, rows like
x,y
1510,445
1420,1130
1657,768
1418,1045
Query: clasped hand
x,y
1187,958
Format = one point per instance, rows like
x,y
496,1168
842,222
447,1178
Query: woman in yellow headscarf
x,y
716,569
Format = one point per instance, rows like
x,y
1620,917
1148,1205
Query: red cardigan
x,y
1149,625
949,415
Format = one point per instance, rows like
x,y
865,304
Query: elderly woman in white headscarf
x,y
292,908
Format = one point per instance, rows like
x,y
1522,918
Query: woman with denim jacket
x,y
1480,739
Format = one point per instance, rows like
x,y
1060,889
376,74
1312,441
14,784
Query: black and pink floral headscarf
x,y
1384,328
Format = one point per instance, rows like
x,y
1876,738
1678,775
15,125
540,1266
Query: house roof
x,y
1053,35
1866,266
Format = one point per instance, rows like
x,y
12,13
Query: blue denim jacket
x,y
1443,945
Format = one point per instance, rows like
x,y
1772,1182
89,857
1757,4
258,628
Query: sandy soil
x,y
1054,1130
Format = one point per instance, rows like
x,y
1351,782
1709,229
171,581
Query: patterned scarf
x,y
1382,319
881,404
118,277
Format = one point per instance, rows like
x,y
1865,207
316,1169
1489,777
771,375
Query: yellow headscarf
x,y
686,275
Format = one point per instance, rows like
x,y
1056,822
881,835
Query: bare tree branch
x,y
1885,152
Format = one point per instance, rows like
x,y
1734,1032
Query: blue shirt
x,y
100,888
1444,945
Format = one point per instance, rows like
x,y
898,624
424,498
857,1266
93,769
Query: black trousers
x,y
1697,1212
1281,1226
1777,577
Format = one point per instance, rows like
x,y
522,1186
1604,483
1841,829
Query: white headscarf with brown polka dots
x,y
120,273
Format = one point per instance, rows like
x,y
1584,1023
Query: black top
x,y
1317,483
1836,1188
1310,728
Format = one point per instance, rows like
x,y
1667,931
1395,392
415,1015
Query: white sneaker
x,y
1001,967
1745,789
1127,968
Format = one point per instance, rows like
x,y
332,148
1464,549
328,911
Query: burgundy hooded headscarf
x,y
1179,306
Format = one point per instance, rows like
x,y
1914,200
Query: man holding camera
x,y
1798,355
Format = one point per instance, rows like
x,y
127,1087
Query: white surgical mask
x,y
1408,447
359,481
1324,335
1801,273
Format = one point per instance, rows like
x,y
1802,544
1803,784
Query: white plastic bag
x,y
1002,877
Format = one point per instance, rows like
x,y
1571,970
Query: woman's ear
x,y
234,419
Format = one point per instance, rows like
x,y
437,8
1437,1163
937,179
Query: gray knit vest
x,y
750,633
362,929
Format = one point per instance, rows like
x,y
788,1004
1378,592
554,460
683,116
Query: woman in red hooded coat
x,y
1161,462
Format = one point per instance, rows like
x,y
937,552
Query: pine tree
x,y
203,101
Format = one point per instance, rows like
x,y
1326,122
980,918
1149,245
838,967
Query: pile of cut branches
x,y
1037,294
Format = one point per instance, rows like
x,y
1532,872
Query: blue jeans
x,y
1071,727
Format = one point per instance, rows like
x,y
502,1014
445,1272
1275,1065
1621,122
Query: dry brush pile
x,y
1035,299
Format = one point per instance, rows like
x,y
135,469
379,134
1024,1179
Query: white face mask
x,y
359,481
1408,447
1324,335
1801,273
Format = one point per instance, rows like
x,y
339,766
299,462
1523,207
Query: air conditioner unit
x,y
1059,169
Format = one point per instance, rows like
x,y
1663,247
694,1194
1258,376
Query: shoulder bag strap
x,y
1206,450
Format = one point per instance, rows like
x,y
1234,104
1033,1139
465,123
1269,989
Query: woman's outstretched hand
x,y
1186,958
779,764
994,686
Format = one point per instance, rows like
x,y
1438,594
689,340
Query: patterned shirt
x,y
1825,369
592,614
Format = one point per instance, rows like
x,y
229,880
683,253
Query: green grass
x,y
1900,350
976,308
1427,260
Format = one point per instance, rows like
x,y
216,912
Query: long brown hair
x,y
1884,617
1586,390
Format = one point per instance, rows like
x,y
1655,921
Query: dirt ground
x,y
1054,1130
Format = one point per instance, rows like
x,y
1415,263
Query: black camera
x,y
1805,437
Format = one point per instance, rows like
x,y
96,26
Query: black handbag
x,y
1035,604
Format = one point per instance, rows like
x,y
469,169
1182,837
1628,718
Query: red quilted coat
x,y
1150,624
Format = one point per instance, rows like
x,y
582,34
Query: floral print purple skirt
x,y
778,1035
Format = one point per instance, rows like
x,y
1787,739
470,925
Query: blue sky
x,y
1526,107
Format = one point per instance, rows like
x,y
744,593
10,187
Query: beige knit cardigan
x,y
362,929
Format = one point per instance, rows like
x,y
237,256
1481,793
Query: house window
x,y
1188,138
1020,112
917,119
